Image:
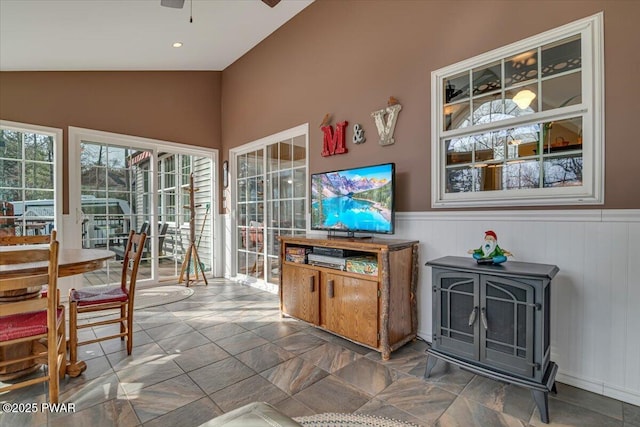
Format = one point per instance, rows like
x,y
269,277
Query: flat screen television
x,y
354,200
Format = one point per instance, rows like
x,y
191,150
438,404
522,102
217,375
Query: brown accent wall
x,y
182,107
347,57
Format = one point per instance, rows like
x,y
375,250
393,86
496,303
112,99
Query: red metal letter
x,y
334,143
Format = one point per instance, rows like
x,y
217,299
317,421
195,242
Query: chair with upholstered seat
x,y
99,298
32,329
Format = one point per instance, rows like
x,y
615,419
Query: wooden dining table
x,y
70,262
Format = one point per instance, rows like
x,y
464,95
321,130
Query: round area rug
x,y
160,295
150,297
350,420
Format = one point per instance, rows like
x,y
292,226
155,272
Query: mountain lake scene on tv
x,y
357,199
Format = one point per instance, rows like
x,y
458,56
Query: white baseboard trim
x,y
255,283
572,215
427,336
626,395
593,386
598,387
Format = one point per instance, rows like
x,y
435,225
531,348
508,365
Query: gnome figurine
x,y
490,252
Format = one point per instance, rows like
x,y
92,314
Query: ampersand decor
x,y
386,128
358,134
333,143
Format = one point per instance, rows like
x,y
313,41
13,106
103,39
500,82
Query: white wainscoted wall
x,y
595,337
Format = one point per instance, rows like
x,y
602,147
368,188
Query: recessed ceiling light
x,y
177,44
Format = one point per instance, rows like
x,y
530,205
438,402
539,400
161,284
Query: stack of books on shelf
x,y
296,254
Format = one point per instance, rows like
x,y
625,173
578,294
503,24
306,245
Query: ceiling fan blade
x,y
271,3
177,4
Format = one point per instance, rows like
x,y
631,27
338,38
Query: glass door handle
x,y
472,316
483,317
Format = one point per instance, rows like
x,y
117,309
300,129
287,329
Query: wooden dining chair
x,y
32,329
98,298
32,240
27,240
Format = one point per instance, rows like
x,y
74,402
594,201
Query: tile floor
x,y
226,346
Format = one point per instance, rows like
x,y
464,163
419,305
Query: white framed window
x,y
522,124
30,179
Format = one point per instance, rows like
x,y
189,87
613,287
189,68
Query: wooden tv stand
x,y
378,311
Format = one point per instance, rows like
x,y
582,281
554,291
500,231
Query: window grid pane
x,y
271,201
27,177
540,155
522,125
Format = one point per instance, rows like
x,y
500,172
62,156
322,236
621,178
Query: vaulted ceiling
x,y
72,35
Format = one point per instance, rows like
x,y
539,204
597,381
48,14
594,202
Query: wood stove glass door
x,y
456,304
507,325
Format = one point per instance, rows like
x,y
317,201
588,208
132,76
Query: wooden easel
x,y
192,253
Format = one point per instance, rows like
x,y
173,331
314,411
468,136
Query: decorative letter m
x,y
334,143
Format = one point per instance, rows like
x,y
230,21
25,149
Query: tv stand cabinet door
x,y
350,307
300,289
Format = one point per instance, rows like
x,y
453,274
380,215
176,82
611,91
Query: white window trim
x,y
57,135
592,190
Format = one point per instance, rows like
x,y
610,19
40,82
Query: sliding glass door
x,y
128,183
286,196
173,214
115,198
270,200
250,213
